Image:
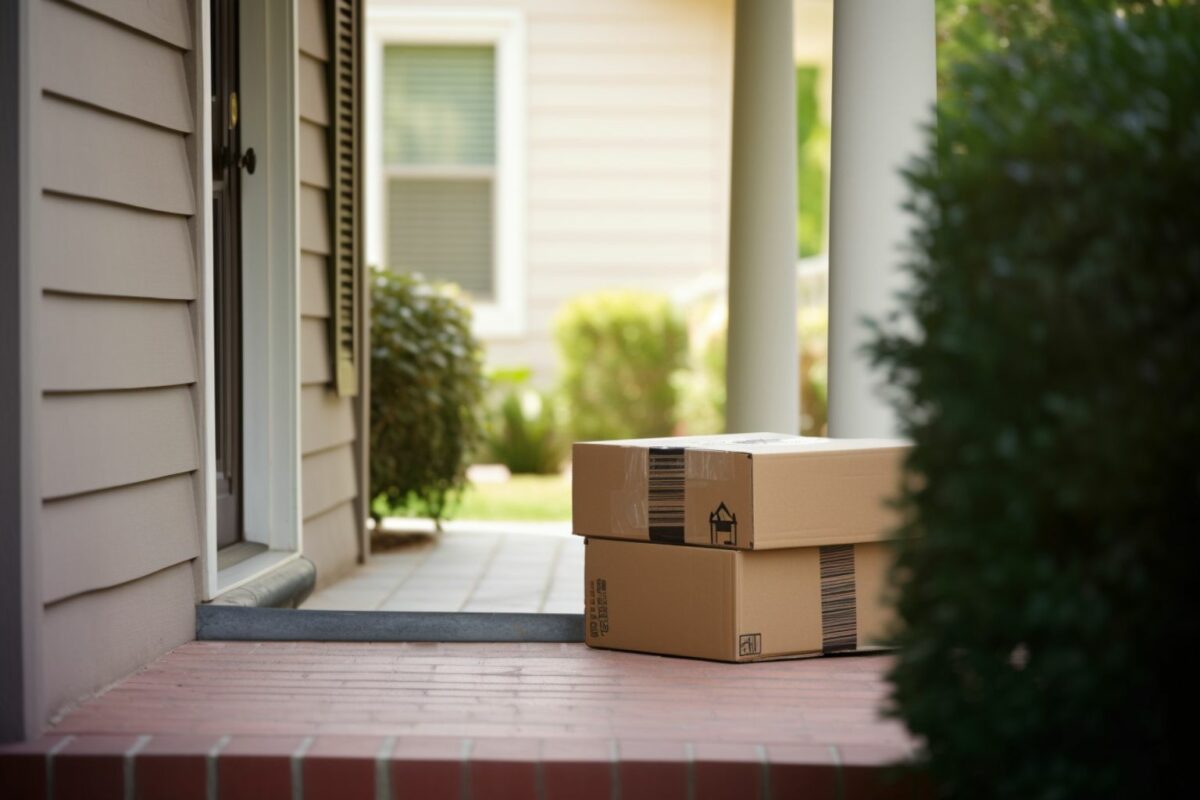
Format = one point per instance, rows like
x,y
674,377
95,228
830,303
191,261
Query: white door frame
x,y
271,486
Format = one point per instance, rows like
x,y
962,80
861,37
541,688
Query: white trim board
x,y
505,30
271,489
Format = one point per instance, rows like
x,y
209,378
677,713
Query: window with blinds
x,y
439,159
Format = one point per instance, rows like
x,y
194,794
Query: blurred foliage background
x,y
619,355
812,163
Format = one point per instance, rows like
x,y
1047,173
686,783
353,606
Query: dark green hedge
x,y
1049,375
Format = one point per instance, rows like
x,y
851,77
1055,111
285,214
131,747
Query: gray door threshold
x,y
283,587
241,623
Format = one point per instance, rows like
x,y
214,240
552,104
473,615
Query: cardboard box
x,y
735,605
751,491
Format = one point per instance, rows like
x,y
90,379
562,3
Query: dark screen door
x,y
227,268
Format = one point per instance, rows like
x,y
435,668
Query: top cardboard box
x,y
750,491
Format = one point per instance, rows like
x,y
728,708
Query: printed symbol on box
x,y
599,625
722,527
750,644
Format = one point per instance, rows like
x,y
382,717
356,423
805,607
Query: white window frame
x,y
386,25
271,491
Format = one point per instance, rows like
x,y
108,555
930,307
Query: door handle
x,y
248,161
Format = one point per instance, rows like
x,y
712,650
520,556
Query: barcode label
x,y
839,623
664,494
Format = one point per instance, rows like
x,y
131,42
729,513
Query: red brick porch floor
x,y
333,720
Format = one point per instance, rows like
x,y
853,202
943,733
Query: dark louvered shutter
x,y
345,83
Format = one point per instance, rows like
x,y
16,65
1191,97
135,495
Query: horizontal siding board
x,y
93,154
559,67
314,155
315,364
314,92
114,250
560,193
567,254
314,285
624,98
326,420
548,295
96,62
107,538
331,543
108,439
631,129
314,41
329,478
91,640
91,343
622,34
605,224
585,161
314,220
168,20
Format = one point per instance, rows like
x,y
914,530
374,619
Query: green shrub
x,y
426,392
619,355
1046,369
814,369
702,388
524,428
812,160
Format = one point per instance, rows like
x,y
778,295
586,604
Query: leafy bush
x,y
524,429
702,388
1046,369
702,401
426,392
814,371
620,352
812,160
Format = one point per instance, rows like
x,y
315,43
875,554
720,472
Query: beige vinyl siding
x,y
628,114
113,250
329,476
168,21
92,639
96,540
628,146
110,343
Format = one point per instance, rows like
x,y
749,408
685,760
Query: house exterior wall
x,y
116,335
116,346
330,470
628,107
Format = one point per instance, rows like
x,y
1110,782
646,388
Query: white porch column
x,y
763,370
884,85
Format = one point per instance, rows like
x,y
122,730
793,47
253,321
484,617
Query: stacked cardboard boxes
x,y
738,547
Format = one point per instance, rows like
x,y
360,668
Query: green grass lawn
x,y
526,498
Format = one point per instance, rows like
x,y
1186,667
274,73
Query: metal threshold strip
x,y
241,623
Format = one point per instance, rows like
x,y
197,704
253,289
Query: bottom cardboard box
x,y
735,605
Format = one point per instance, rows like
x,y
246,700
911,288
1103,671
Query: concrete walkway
x,y
470,566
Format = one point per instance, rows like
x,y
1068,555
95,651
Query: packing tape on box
x,y
628,515
709,465
627,503
666,484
